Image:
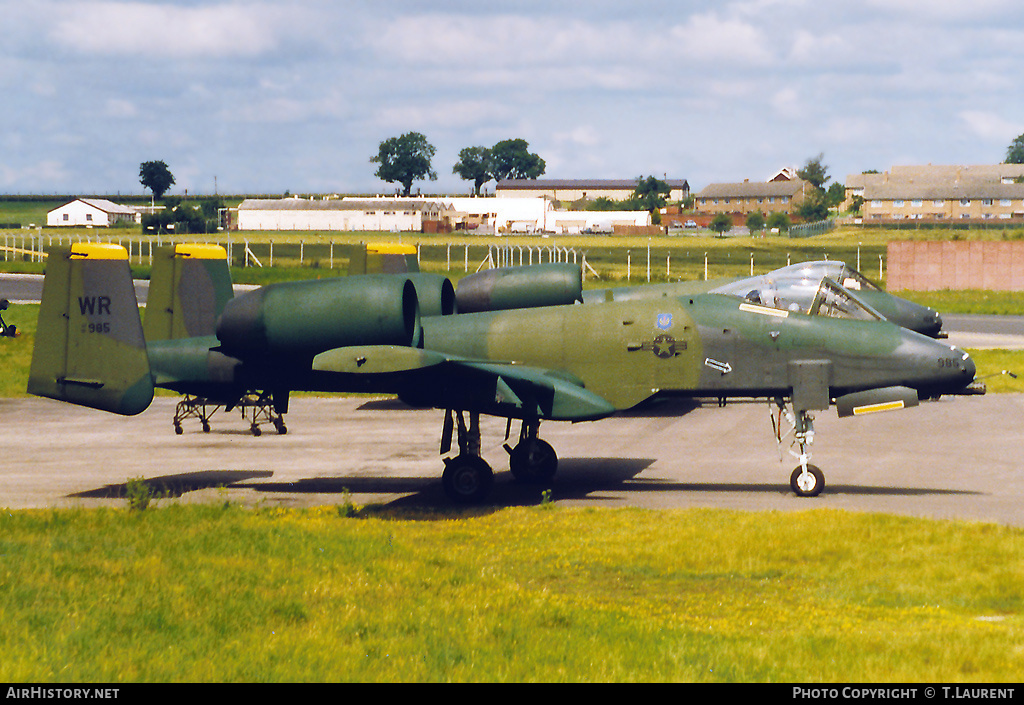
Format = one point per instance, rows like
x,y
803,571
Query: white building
x,y
533,214
391,214
516,215
487,215
575,222
91,212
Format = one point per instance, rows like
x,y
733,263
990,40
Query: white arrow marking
x,y
723,367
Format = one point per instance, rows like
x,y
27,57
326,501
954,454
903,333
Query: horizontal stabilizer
x,y
875,400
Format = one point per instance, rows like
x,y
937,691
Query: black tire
x,y
533,461
467,479
807,490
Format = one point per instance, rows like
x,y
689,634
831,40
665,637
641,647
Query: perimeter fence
x,y
600,258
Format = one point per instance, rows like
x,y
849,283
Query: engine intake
x,y
309,317
435,293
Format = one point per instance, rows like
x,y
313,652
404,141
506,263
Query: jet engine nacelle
x,y
520,287
308,317
435,293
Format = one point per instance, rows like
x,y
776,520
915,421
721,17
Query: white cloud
x,y
722,41
158,31
582,136
816,49
121,108
787,104
990,127
497,41
38,175
420,116
927,11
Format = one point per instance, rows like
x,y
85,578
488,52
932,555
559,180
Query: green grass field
x,y
225,594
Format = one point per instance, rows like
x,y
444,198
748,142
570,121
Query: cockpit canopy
x,y
815,296
839,272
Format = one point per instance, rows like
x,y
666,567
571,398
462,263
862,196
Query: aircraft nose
x,y
959,368
935,367
923,319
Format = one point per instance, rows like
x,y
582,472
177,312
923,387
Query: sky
x,y
248,97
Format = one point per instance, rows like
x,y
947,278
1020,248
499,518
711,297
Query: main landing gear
x,y
467,478
807,480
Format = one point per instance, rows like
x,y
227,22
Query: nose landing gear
x,y
807,480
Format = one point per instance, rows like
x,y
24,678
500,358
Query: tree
x,y
156,177
814,172
474,165
721,223
511,159
602,203
183,217
813,208
651,193
778,221
1015,152
835,195
755,222
404,159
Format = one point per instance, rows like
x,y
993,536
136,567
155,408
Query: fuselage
x,y
701,345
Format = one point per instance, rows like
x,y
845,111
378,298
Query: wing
x,y
428,378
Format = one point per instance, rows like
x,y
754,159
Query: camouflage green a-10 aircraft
x,y
525,349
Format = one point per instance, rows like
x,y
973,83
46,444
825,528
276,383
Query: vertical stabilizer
x,y
383,258
89,347
188,288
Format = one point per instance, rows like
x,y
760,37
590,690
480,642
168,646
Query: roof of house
x,y
302,204
937,174
944,172
607,184
103,205
970,188
752,189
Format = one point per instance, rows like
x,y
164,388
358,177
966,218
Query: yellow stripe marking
x,y
98,250
383,248
198,251
872,408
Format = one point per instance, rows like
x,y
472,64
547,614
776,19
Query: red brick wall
x,y
931,266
